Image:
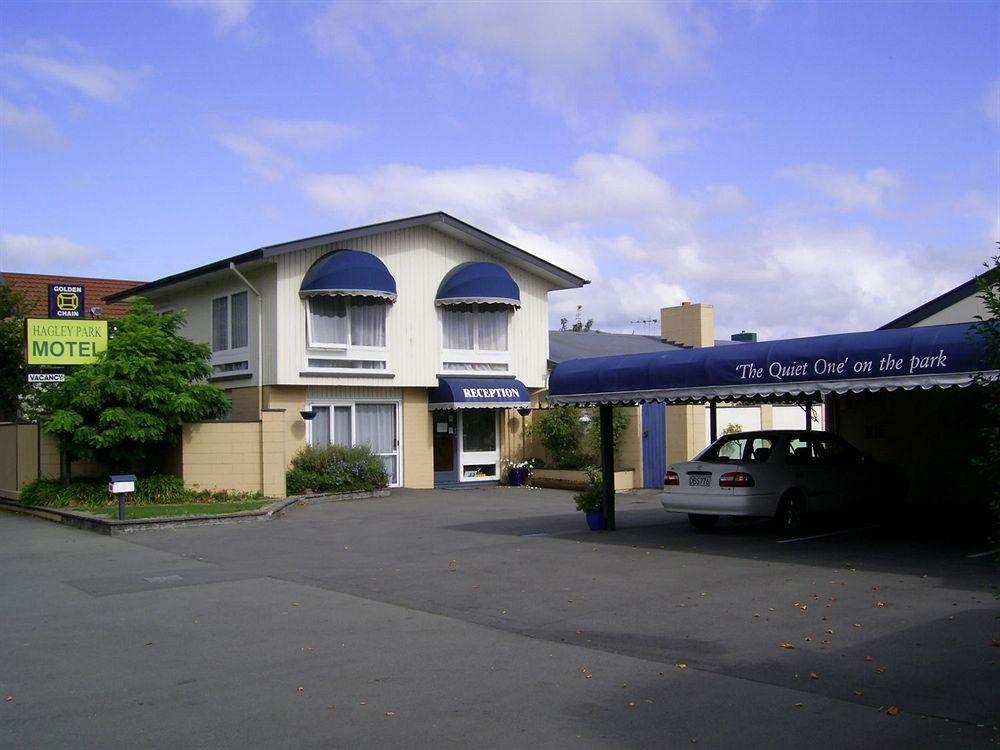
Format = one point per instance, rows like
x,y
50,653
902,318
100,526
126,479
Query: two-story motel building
x,y
413,336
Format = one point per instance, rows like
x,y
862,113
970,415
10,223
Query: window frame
x,y
312,403
475,355
230,354
349,346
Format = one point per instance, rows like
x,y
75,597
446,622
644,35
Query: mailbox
x,y
121,483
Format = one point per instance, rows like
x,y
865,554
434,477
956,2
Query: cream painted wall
x,y
418,259
963,311
196,297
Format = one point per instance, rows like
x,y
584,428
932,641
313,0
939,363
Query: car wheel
x,y
791,510
701,521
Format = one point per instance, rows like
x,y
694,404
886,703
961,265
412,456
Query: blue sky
x,y
805,167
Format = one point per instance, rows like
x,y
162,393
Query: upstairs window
x,y
230,322
475,327
346,321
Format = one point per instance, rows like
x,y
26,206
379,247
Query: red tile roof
x,y
35,288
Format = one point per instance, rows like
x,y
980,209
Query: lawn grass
x,y
133,512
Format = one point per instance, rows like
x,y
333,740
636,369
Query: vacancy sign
x,y
65,342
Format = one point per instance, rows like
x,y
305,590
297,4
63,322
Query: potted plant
x,y
518,472
591,501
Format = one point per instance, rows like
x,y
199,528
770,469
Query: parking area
x,y
492,618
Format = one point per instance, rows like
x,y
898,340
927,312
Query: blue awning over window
x,y
479,393
349,273
478,282
905,358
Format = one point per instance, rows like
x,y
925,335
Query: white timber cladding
x,y
418,259
195,299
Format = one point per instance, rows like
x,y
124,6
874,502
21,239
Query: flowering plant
x,y
528,464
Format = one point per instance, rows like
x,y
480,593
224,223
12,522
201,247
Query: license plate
x,y
697,481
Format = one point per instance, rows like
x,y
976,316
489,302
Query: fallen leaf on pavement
x,y
631,704
869,658
788,645
879,604
858,692
299,689
829,631
857,624
807,639
814,675
332,705
893,710
681,666
798,705
390,714
8,699
880,670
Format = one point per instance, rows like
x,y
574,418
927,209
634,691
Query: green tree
x,y
135,398
988,327
13,309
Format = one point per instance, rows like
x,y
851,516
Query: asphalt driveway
x,y
494,619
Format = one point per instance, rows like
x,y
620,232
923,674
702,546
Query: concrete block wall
x,y
274,459
291,398
418,440
222,455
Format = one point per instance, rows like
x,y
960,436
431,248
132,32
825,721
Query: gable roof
x,y
936,305
35,289
442,222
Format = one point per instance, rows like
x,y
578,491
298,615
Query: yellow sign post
x,y
65,342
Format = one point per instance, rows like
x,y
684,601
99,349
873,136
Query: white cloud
x,y
303,134
25,251
848,191
95,80
991,101
557,52
229,15
259,157
650,135
30,125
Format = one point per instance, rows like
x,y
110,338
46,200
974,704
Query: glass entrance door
x,y
480,456
445,426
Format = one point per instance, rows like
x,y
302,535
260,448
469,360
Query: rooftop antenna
x,y
647,323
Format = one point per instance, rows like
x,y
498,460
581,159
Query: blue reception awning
x,y
926,357
479,393
349,273
478,282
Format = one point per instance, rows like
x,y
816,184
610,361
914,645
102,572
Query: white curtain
x,y
328,320
239,314
367,322
321,425
376,424
458,322
220,324
493,328
342,425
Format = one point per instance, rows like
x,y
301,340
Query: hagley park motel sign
x,y
59,342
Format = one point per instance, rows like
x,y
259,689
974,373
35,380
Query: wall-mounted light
x,y
95,312
308,414
524,412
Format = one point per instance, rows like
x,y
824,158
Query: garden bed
x,y
576,479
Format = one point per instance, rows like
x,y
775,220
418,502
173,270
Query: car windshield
x,y
745,448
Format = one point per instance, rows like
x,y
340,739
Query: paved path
x,y
492,619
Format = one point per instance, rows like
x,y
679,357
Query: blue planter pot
x,y
517,477
596,520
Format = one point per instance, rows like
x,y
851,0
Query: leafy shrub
x,y
157,489
575,444
335,468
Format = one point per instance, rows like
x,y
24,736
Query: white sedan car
x,y
779,474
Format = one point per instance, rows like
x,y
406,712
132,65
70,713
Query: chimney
x,y
687,324
746,337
